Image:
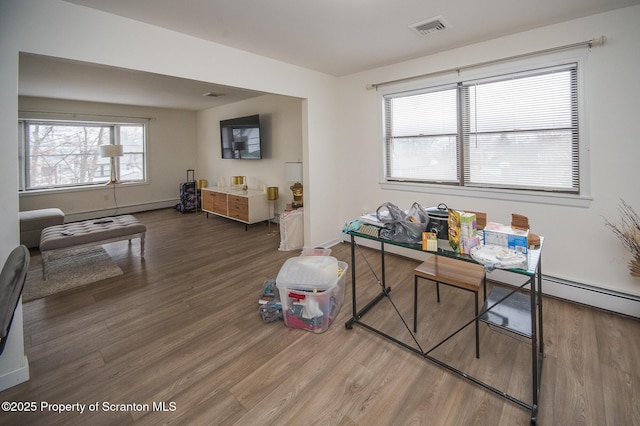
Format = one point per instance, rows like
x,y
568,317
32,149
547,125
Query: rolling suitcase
x,y
188,194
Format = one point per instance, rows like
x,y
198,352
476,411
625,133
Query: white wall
x,y
171,150
83,34
340,138
281,137
14,366
60,29
578,247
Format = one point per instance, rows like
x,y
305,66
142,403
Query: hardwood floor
x,y
182,328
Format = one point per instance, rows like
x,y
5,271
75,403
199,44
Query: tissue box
x,y
311,292
505,236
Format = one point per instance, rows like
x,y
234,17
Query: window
x,y
514,131
56,154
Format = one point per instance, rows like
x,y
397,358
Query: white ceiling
x,y
48,77
341,37
337,37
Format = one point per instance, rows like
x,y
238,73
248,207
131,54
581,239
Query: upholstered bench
x,y
32,222
90,232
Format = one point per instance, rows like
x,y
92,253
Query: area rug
x,y
68,269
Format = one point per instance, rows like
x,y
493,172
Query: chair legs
x,y
415,308
475,293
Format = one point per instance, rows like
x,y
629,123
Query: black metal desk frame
x,y
534,281
416,278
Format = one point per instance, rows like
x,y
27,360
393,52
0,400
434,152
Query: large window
x,y
515,131
56,154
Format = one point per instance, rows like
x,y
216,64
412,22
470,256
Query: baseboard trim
x,y
571,291
133,208
15,377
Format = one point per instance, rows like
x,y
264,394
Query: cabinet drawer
x,y
238,201
242,208
243,216
239,208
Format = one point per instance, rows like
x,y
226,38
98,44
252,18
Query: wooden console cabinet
x,y
249,206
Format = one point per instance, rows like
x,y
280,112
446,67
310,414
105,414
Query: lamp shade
x,y
293,172
111,151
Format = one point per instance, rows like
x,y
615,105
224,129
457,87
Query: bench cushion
x,y
89,231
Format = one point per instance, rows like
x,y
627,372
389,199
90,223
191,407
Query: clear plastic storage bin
x,y
311,291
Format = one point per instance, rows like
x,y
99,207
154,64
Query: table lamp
x,y
293,173
112,151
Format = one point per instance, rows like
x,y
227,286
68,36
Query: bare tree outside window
x,y
58,154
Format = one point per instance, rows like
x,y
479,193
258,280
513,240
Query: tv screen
x,y
240,138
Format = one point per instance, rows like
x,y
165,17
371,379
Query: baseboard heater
x,y
592,288
127,209
615,301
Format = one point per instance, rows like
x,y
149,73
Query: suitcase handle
x,y
192,173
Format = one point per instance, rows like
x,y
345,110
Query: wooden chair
x,y
456,273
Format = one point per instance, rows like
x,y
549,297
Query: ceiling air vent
x,y
430,25
212,94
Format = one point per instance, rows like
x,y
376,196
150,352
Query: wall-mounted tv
x,y
240,138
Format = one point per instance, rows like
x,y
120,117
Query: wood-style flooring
x,y
181,331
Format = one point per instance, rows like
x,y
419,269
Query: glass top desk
x,y
509,309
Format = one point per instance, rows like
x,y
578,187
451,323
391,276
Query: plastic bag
x,y
401,226
270,305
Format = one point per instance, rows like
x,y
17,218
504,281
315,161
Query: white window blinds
x,y
516,131
522,132
422,136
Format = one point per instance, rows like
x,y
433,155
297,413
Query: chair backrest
x,y
12,279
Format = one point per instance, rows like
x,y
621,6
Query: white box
x,y
505,236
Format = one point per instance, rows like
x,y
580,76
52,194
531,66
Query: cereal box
x,y
463,233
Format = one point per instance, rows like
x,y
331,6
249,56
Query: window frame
x,y
581,199
114,123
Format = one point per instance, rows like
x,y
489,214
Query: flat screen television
x,y
240,138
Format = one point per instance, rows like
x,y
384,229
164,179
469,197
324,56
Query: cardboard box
x,y
501,235
429,241
463,231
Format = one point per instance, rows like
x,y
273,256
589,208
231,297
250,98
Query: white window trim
x,y
91,119
539,197
78,188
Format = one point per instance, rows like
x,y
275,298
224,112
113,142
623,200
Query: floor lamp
x,y
112,151
272,195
